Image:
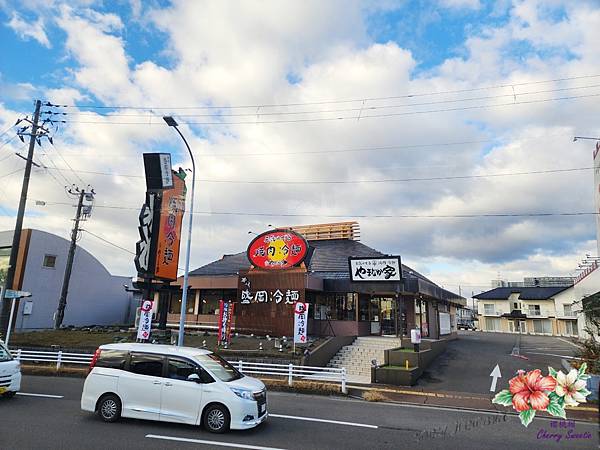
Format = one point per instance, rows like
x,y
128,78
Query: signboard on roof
x,y
277,250
384,268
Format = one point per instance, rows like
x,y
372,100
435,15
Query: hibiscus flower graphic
x,y
529,392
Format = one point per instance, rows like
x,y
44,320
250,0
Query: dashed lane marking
x,y
211,443
29,394
313,419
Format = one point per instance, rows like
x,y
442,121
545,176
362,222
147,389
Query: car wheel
x,y
216,419
109,408
9,394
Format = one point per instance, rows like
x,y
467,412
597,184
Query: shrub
x,y
374,396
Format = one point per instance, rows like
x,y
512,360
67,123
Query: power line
x,y
109,242
325,102
353,117
365,216
355,109
68,165
13,172
388,180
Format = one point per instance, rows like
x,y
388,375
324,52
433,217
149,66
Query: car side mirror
x,y
194,377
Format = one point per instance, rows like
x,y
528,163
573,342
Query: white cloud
x,y
26,30
240,53
460,4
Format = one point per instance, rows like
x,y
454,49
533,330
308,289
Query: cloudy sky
x,y
405,116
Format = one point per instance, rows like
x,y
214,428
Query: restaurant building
x,y
340,304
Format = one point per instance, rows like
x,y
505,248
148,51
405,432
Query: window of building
x,y
336,306
175,303
568,310
209,301
492,324
49,261
145,364
515,306
489,308
542,326
363,307
571,328
534,310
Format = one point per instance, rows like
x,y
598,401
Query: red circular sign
x,y
276,250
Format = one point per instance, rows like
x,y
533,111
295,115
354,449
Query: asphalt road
x,y
30,422
468,361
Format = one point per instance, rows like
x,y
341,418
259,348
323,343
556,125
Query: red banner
x,y
225,318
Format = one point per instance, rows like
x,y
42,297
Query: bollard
x,y
260,346
290,372
344,390
406,364
58,360
240,365
204,343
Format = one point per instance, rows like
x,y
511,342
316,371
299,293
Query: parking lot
x,y
468,361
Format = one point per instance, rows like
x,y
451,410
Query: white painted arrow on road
x,y
495,375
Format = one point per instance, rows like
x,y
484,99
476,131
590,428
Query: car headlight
x,y
242,393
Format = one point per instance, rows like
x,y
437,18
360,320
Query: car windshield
x,y
4,354
219,367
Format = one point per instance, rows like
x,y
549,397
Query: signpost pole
x,y
10,320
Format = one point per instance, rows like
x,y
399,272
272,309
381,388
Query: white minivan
x,y
172,384
10,373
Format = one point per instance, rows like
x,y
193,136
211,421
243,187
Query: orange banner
x,y
169,231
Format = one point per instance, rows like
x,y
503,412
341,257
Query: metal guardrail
x,y
291,371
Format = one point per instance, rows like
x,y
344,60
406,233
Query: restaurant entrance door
x,y
383,315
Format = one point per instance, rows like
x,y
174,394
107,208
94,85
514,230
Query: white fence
x,y
290,371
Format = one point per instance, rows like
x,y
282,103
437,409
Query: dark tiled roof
x,y
329,260
526,293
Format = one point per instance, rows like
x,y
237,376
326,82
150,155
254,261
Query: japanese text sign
x,y
300,322
145,325
225,319
386,268
276,250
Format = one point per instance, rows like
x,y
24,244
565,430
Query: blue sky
x,y
470,56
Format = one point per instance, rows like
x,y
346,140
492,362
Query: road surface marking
x,y
495,375
202,441
27,394
312,419
552,354
568,342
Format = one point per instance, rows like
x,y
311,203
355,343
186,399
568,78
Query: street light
x,y
172,123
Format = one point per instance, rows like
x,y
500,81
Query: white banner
x,y
300,322
375,269
145,325
445,323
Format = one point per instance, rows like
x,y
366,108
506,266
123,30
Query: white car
x,y
172,384
10,373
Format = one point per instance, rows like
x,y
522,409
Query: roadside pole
x,y
14,250
10,320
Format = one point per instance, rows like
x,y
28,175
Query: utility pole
x,y
14,250
83,211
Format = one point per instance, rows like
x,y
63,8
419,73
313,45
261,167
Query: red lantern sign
x,y
276,250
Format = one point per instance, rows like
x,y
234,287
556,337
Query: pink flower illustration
x,y
530,389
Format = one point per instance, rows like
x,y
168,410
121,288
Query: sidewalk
x,y
460,400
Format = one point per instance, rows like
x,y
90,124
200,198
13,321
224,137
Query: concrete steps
x,y
356,358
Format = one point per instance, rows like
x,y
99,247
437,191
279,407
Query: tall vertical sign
x,y
300,322
225,318
597,193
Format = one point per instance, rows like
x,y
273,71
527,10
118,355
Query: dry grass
x,y
50,370
373,396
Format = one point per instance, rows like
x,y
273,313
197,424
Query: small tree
x,y
590,348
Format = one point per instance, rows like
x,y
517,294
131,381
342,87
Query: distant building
x,y
530,310
535,282
95,296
